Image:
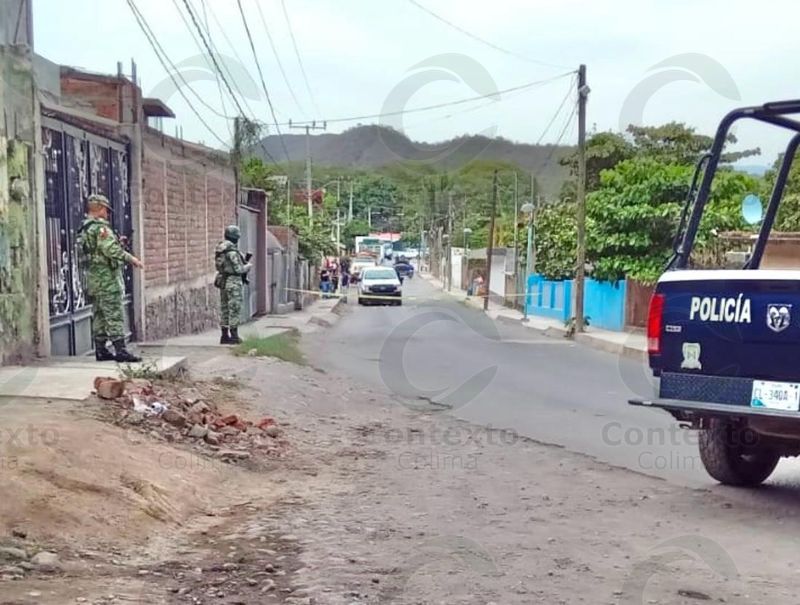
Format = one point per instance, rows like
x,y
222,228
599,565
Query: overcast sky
x,y
371,56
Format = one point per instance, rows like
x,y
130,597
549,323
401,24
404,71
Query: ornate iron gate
x,y
78,163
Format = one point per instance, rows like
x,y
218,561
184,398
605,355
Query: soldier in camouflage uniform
x,y
232,269
104,258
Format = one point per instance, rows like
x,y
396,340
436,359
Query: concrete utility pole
x,y
516,223
369,217
308,128
350,209
580,272
288,199
490,243
449,241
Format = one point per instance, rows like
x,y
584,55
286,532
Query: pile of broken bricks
x,y
183,415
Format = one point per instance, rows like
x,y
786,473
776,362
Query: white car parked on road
x,y
380,285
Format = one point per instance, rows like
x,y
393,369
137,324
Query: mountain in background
x,y
754,169
365,147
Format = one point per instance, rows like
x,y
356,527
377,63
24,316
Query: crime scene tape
x,y
394,298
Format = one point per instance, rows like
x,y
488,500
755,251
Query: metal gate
x,y
78,163
248,225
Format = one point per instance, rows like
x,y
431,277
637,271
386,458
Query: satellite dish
x,y
752,210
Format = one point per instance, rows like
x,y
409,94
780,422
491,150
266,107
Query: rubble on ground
x,y
179,414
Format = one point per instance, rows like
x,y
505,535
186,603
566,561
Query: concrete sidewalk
x,y
629,344
72,378
324,312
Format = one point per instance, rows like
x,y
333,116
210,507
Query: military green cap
x,y
99,200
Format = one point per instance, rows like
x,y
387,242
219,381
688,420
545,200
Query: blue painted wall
x,y
548,298
604,304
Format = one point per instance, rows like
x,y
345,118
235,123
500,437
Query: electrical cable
x,y
261,77
221,75
199,47
297,54
570,90
155,46
215,47
277,57
440,105
477,38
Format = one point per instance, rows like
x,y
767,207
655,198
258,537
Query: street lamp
x,y
529,209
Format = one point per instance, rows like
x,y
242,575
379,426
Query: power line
x,y
277,57
440,105
199,47
297,54
556,114
221,75
477,38
261,77
231,45
197,42
156,46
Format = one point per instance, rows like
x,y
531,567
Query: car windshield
x,y
380,274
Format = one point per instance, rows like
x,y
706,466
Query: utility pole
x,y
449,240
580,272
369,217
350,209
490,243
288,199
308,128
516,223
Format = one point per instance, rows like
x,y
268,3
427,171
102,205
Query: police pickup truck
x,y
725,344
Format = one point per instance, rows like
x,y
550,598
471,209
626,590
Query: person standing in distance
x,y
232,269
104,258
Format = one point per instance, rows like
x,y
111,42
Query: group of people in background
x,y
332,274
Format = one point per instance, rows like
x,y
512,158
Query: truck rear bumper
x,y
687,410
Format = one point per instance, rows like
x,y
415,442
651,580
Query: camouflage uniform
x,y
104,258
231,269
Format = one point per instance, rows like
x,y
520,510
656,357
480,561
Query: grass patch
x,y
281,346
147,370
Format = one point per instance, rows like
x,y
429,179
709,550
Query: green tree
x,y
556,240
632,218
353,229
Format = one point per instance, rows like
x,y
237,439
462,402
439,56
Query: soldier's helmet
x,y
97,199
232,233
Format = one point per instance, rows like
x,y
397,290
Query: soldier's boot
x,y
235,340
101,352
123,355
225,336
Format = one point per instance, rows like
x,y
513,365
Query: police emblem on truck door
x,y
779,317
691,356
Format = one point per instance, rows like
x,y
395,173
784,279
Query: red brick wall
x,y
102,97
188,200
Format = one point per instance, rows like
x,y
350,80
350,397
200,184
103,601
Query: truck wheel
x,y
730,461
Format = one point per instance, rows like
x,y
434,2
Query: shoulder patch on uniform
x,y
103,233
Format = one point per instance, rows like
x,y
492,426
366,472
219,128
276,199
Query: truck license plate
x,y
776,395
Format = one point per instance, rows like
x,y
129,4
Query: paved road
x,y
434,348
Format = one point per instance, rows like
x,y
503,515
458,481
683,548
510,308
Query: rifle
x,y
247,258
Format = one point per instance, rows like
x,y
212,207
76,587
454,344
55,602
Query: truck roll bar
x,y
771,113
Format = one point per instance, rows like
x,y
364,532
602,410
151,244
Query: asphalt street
x,y
436,353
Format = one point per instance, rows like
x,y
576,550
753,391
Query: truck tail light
x,y
655,320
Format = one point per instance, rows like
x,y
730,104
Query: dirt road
x,y
377,503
